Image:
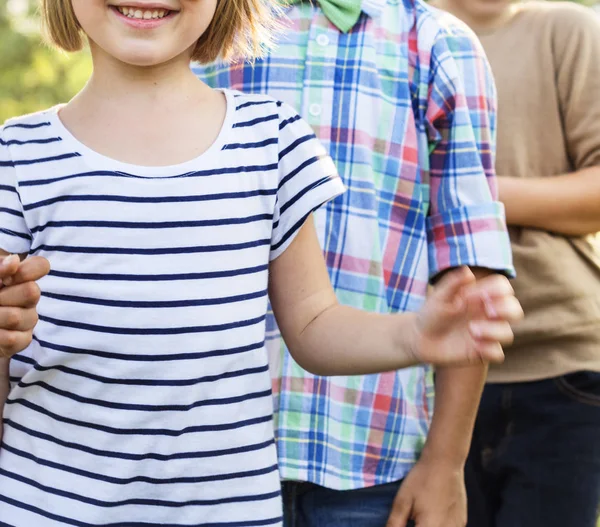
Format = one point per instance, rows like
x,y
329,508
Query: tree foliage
x,y
34,76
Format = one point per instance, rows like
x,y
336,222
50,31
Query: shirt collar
x,y
373,8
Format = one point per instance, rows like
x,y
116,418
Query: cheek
x,y
88,13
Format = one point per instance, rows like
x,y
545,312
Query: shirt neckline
x,y
102,161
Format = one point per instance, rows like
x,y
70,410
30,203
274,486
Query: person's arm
x,y
433,492
567,204
462,322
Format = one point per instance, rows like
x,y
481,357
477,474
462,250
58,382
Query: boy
x,y
535,449
383,85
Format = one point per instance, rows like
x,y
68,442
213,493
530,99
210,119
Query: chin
x,y
143,58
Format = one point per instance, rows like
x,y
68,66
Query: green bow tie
x,y
341,13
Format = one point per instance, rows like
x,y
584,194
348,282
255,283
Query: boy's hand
x,y
19,296
467,322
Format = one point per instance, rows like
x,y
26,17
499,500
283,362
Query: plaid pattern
x,y
405,103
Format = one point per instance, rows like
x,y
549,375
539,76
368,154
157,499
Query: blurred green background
x,y
32,75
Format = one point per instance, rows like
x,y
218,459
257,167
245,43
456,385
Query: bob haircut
x,y
239,30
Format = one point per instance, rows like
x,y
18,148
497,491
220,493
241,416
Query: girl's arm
x,y
462,322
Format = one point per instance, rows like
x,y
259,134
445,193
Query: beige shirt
x,y
546,61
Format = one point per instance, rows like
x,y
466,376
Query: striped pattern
x,y
145,398
405,103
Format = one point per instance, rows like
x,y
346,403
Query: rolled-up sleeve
x,y
466,223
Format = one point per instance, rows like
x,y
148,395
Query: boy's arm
x,y
434,492
567,204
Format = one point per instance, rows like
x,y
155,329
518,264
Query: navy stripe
x,y
295,144
258,120
12,212
161,199
305,191
119,174
30,141
138,431
135,479
291,120
152,357
160,277
146,382
28,126
161,304
154,225
152,252
152,331
77,523
147,407
9,188
247,146
137,501
124,455
298,169
61,157
293,229
253,103
16,234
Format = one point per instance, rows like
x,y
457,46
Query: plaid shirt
x,y
405,103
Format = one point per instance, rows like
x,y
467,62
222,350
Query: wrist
x,y
452,460
408,337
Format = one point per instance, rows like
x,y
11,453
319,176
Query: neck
x,y
482,21
116,86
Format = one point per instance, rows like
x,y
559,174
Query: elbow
x,y
308,362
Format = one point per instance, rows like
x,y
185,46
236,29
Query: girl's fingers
x,y
498,331
12,342
491,287
489,351
25,295
452,284
17,319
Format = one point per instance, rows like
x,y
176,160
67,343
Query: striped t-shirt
x,y
145,398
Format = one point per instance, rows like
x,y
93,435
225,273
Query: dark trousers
x,y
535,456
308,505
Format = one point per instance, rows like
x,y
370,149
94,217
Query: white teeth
x,y
144,14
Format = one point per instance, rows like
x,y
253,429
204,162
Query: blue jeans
x,y
308,505
535,456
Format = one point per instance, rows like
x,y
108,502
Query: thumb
x,y
452,283
400,514
9,265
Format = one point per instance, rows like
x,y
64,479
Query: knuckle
x,y
31,292
13,318
10,341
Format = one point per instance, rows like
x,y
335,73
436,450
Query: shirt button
x,y
314,110
323,40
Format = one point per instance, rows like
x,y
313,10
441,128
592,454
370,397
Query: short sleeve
x,y
307,178
466,225
14,234
577,54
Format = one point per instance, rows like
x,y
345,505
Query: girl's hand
x,y
467,322
19,295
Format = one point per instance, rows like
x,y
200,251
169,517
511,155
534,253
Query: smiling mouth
x,y
143,14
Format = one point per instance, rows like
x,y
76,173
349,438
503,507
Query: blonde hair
x,y
239,30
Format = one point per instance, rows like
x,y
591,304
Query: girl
x,y
167,211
